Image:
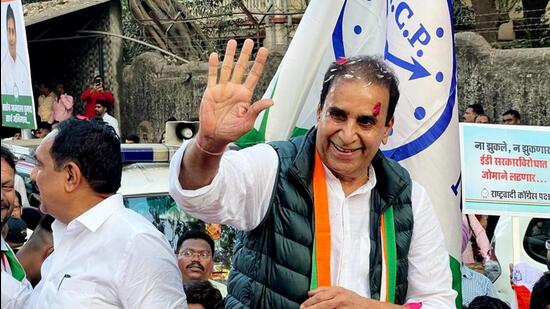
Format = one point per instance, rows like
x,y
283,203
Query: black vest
x,y
272,264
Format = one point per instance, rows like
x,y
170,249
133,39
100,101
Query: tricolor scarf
x,y
320,265
17,270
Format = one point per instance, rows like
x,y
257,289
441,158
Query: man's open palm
x,y
226,111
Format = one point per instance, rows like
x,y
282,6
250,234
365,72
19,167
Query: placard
x,y
505,169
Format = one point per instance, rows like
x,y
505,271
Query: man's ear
x,y
387,131
73,176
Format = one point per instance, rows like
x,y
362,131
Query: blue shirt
x,y
475,284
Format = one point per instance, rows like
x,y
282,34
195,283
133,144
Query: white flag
x,y
415,37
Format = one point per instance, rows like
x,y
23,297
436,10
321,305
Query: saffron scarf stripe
x,y
321,257
320,260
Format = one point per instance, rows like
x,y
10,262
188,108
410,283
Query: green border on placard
x,y
20,108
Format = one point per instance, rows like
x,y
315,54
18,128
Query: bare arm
x,y
480,236
226,113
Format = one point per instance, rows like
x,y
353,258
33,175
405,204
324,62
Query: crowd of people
x,y
478,231
475,113
56,106
327,220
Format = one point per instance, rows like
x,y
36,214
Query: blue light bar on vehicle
x,y
144,153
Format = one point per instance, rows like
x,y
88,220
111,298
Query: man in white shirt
x,y
8,185
101,109
326,212
35,251
105,255
13,273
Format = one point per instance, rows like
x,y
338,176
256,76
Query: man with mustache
x,y
196,258
8,190
14,281
106,255
328,221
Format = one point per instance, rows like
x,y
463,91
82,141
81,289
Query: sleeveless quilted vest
x,y
272,264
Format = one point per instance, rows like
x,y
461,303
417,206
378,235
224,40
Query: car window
x,y
538,231
162,211
168,218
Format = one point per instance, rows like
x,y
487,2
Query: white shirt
x,y
19,185
15,76
240,193
109,257
110,120
14,294
4,247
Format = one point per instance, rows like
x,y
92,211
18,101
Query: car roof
x,y
138,178
144,179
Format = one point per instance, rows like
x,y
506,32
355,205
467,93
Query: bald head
x,y
39,246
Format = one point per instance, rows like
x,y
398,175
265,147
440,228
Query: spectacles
x,y
202,255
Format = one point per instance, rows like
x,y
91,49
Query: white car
x,y
533,233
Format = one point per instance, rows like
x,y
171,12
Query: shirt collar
x,y
97,215
93,218
4,245
467,272
371,182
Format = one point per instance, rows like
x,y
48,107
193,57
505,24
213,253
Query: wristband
x,y
206,151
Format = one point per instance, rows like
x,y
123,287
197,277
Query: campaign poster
x,y
17,97
505,169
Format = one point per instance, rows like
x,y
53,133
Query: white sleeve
x,y
429,278
15,294
116,127
239,194
20,187
149,276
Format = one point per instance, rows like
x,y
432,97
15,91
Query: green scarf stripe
x,y
314,283
391,253
17,270
457,280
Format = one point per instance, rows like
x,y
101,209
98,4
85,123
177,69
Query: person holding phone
x,y
96,92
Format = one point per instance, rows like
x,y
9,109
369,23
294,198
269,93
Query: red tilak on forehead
x,y
376,109
341,60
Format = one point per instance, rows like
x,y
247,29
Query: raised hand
x,y
226,111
